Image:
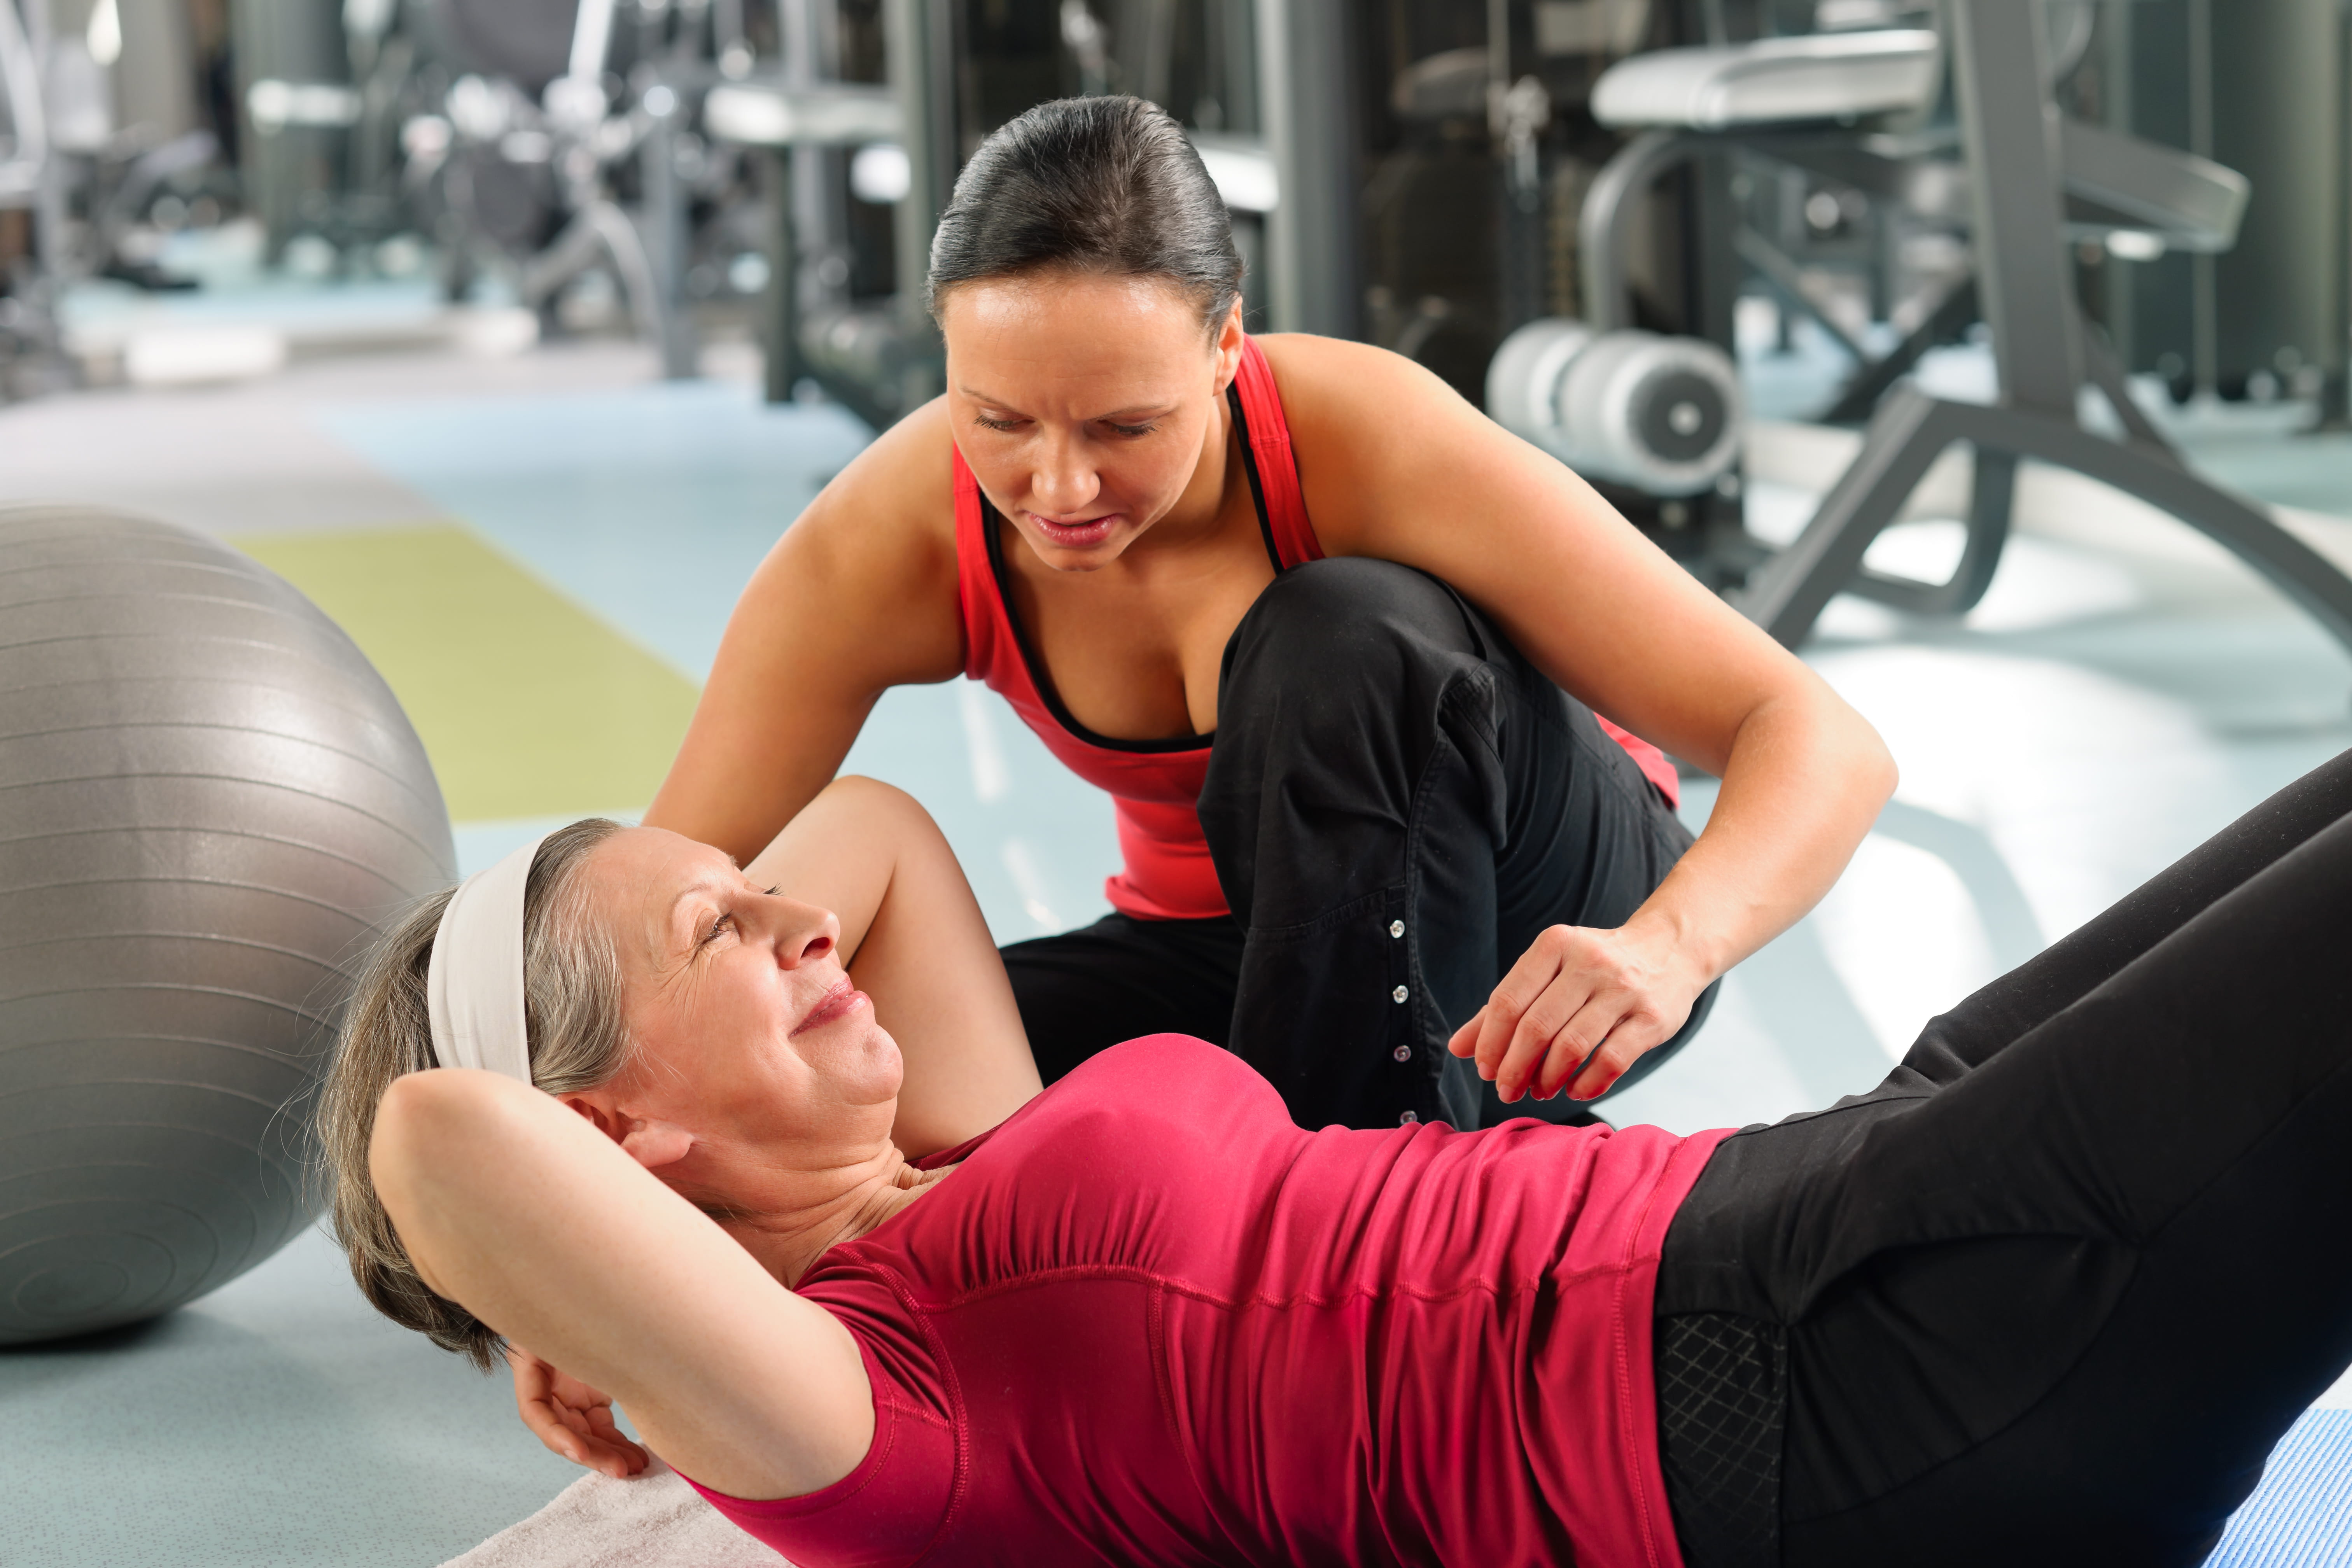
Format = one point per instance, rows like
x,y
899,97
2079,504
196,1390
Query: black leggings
x,y
2052,1291
1397,804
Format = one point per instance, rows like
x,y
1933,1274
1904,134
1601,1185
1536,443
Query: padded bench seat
x,y
1774,82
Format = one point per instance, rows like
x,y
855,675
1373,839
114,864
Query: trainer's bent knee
x,y
1317,622
1350,585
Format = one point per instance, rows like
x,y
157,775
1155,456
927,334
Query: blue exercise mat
x,y
2300,1516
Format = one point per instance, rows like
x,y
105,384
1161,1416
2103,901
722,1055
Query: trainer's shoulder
x,y
1362,419
869,567
898,492
1324,380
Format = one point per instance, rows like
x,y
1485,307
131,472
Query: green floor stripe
x,y
528,705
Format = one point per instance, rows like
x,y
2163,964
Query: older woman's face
x,y
750,1037
1082,404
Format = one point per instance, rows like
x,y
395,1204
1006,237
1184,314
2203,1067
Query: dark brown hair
x,y
1106,186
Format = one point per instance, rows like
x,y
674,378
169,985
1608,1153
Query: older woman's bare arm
x,y
545,1229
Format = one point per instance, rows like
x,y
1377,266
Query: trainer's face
x,y
1084,404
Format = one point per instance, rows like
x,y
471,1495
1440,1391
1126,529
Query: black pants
x,y
1397,804
2051,1292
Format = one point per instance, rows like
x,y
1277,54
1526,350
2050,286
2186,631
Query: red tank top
x,y
1155,784
1148,1319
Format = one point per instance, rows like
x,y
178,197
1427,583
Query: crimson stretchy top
x,y
1149,1320
1156,785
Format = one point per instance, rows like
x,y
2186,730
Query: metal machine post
x,y
1303,104
2025,285
665,239
920,38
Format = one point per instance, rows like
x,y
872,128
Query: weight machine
x,y
2036,179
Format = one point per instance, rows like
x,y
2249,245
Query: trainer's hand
x,y
1577,989
571,1418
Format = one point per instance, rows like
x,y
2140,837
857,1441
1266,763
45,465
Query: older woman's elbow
x,y
431,1129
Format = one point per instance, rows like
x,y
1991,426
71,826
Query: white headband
x,y
474,981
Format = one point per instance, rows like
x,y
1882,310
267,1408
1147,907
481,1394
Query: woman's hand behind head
x,y
572,1419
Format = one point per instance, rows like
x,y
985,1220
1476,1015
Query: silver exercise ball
x,y
1663,414
207,796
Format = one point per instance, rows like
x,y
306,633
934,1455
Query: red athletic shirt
x,y
1155,784
1149,1321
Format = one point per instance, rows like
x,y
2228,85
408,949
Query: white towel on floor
x,y
651,1520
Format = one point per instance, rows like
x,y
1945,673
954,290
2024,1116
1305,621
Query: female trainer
x,y
1338,646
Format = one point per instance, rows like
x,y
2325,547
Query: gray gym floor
x,y
2123,692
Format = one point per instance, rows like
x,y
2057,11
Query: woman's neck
x,y
788,1240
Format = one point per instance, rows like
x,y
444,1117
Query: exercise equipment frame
x,y
2010,124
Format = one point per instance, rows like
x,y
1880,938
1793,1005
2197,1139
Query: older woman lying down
x,y
762,1154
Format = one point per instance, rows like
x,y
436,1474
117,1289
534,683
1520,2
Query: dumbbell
x,y
1660,413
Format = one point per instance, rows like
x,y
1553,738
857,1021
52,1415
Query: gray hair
x,y
578,1037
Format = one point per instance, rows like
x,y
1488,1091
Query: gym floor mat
x,y
2301,1515
276,1422
527,703
651,505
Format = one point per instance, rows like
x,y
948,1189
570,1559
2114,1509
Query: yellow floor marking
x,y
527,703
